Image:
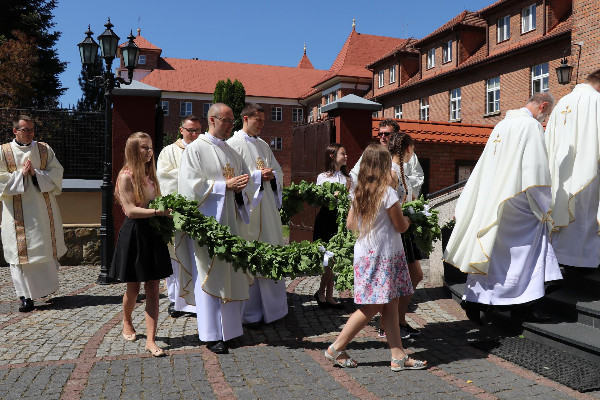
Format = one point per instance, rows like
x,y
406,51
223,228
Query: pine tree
x,y
17,59
234,95
34,19
92,98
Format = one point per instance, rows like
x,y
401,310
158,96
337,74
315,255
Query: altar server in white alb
x,y
32,231
501,237
573,145
167,170
215,175
268,300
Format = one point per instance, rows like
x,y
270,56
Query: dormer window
x,y
431,58
503,28
392,74
528,19
381,78
142,59
447,51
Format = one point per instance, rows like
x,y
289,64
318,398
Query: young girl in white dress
x,y
380,272
326,221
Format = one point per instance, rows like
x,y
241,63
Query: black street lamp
x,y
88,49
564,72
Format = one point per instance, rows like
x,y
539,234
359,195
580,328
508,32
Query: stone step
x,y
573,337
575,303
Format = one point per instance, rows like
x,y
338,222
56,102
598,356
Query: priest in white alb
x,y
32,231
573,145
268,300
167,170
501,236
215,175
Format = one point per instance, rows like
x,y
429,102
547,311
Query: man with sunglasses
x,y
32,231
167,169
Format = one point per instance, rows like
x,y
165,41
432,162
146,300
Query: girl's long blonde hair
x,y
373,180
139,169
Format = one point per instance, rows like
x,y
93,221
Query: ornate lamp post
x,y
88,49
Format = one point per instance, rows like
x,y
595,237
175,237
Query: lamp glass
x,y
563,73
130,55
108,44
88,49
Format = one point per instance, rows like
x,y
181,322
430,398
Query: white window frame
x,y
528,22
333,97
276,113
311,115
142,59
455,104
319,111
503,29
185,108
325,100
431,58
393,74
205,108
447,51
492,95
540,78
398,111
297,115
276,143
164,104
381,75
424,109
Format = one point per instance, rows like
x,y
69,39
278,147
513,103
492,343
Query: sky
x,y
257,32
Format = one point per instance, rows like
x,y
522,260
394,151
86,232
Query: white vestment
x,y
167,169
573,145
502,222
268,299
412,170
32,231
207,282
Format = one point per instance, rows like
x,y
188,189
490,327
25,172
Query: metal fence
x,y
76,137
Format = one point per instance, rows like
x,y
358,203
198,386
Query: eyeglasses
x,y
386,134
192,131
224,120
26,130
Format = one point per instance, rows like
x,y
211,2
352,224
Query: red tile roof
x,y
201,76
406,46
142,43
358,51
305,63
492,6
441,132
465,18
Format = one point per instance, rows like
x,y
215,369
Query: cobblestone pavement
x,y
70,347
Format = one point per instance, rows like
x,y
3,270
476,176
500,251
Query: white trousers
x,y
267,301
37,280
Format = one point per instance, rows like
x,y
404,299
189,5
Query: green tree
x,y
34,19
92,98
234,95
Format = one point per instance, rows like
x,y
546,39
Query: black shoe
x,y
218,347
173,313
532,315
473,311
322,304
410,330
254,325
26,305
334,306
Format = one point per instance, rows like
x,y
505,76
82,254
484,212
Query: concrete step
x,y
575,303
573,337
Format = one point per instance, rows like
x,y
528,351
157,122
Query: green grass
x,y
286,231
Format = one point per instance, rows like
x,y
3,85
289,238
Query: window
x,y
325,100
455,104
528,19
276,114
297,115
381,78
319,111
276,143
311,115
141,59
503,28
431,58
398,111
539,78
447,51
392,74
185,108
205,108
424,107
375,114
333,96
493,95
165,107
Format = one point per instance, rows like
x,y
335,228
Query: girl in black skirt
x,y
140,255
326,220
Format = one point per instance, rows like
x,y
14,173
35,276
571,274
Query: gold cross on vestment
x,y
497,140
228,171
565,112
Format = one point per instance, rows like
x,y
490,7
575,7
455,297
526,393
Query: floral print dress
x,y
380,268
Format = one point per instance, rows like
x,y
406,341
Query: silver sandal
x,y
402,362
346,363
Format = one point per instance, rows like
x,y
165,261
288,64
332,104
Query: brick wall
x,y
585,29
516,37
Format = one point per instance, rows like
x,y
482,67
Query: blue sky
x,y
260,32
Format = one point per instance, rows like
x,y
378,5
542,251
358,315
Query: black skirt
x,y
140,254
325,224
411,250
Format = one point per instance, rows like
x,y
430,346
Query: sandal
x,y
418,364
157,352
129,337
346,363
